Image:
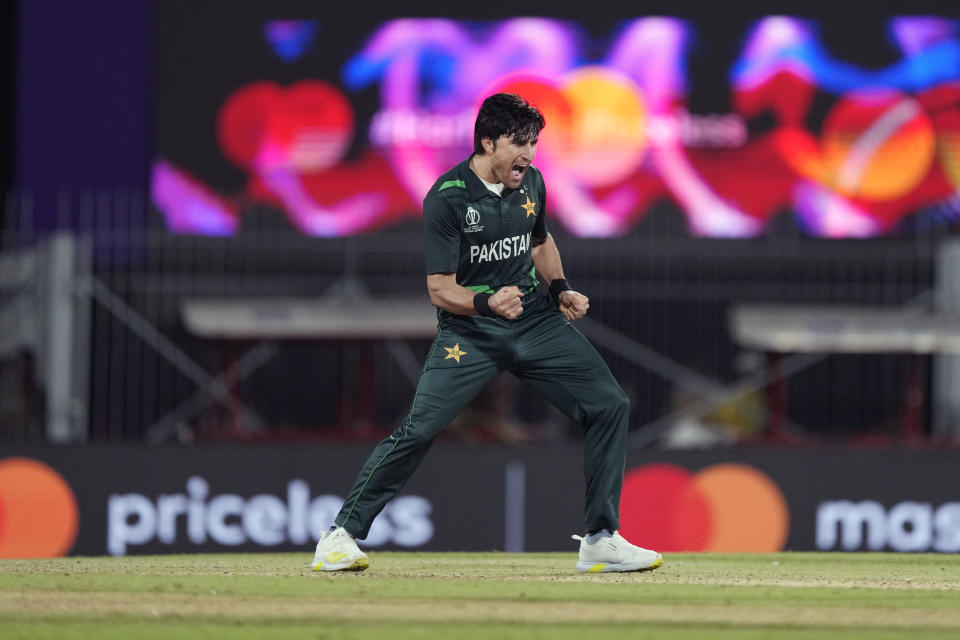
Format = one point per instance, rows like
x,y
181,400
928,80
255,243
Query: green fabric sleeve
x,y
441,235
540,226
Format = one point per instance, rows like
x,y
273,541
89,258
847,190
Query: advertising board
x,y
114,500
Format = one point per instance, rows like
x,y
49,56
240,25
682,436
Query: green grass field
x,y
482,595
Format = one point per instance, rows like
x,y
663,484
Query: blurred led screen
x,y
339,128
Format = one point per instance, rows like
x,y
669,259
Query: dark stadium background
x,y
93,91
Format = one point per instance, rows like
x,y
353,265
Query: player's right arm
x,y
441,240
446,294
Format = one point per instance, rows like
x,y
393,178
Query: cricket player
x,y
487,248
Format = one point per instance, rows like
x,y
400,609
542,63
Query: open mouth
x,y
518,170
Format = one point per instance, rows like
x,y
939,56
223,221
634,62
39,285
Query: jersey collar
x,y
475,188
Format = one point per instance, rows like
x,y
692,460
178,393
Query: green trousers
x,y
541,348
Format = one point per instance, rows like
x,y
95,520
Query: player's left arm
x,y
546,258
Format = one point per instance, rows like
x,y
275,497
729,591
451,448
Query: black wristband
x,y
558,286
481,302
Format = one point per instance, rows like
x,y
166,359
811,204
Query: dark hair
x,y
506,114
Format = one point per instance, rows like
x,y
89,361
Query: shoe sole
x,y
603,567
357,565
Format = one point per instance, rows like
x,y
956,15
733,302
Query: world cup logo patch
x,y
472,220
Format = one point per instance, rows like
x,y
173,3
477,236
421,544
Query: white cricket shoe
x,y
614,553
337,551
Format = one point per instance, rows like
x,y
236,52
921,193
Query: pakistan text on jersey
x,y
500,249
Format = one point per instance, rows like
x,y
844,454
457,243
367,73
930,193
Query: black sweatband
x,y
558,286
481,302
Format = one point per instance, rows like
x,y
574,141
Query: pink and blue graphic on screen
x,y
620,136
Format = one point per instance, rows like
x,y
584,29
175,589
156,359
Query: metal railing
x,y
658,316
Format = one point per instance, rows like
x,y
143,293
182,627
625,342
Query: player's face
x,y
509,160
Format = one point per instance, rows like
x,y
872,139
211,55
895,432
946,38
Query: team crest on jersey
x,y
529,207
472,220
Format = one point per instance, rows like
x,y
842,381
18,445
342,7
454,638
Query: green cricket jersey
x,y
482,237
486,240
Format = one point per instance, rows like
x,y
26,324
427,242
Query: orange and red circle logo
x,y
877,144
725,507
597,119
38,512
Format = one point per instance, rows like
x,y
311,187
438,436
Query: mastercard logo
x,y
597,122
38,512
723,508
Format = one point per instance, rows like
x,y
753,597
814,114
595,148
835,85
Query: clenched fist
x,y
506,302
573,305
